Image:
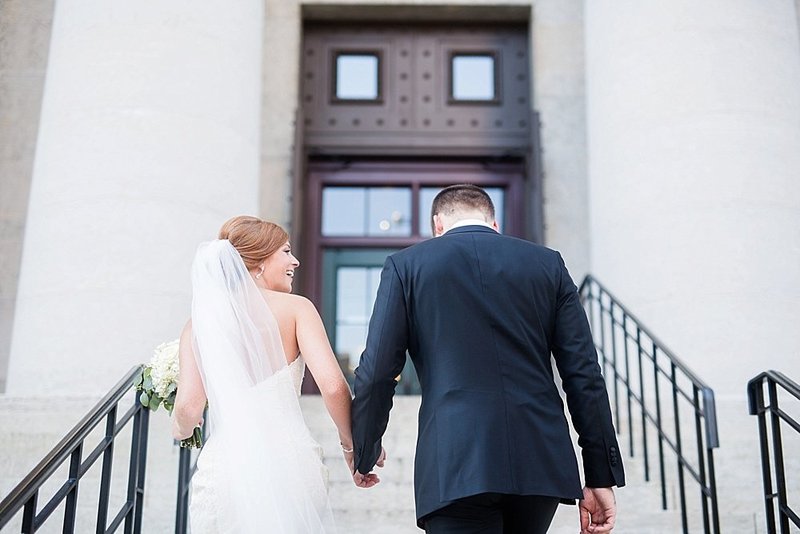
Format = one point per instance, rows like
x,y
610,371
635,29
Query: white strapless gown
x,y
285,480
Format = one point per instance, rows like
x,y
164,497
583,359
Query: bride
x,y
244,352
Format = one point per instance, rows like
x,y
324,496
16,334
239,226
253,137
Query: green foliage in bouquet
x,y
158,384
149,397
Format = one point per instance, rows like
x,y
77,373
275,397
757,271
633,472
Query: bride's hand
x,y
381,458
362,481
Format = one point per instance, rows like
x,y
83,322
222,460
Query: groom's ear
x,y
438,227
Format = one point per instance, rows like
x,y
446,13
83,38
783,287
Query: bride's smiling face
x,y
279,269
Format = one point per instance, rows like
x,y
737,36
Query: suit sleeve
x,y
587,398
381,362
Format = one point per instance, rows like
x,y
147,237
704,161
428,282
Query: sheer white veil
x,y
261,475
240,340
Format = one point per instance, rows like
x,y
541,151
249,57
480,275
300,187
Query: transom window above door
x,y
366,211
376,211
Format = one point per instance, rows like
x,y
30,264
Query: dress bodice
x,y
297,369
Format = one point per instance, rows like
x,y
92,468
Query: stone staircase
x,y
389,506
29,427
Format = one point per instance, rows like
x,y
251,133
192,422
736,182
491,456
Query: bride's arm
x,y
319,357
190,400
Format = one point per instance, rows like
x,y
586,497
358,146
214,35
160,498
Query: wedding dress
x,y
259,470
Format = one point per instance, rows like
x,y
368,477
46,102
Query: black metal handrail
x,y
187,466
777,490
25,496
644,371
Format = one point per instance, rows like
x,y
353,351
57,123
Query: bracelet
x,y
344,449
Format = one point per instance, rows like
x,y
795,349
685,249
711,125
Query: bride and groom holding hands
x,y
482,316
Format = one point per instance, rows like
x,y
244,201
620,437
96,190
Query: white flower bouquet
x,y
158,385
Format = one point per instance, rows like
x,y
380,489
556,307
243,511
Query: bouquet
x,y
158,385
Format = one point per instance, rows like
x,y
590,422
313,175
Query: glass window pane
x,y
351,293
389,211
357,77
350,343
356,290
344,211
427,194
473,77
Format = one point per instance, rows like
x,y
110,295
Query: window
x,y
473,78
357,77
366,211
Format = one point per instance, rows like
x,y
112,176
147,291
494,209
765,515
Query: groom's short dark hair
x,y
462,196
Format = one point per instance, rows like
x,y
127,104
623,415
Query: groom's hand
x,y
598,510
370,479
365,481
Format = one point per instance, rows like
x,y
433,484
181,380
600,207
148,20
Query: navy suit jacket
x,y
480,315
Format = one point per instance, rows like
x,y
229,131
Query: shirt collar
x,y
470,222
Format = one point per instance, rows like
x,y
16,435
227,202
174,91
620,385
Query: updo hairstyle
x,y
253,238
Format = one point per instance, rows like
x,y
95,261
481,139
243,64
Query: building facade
x,y
655,144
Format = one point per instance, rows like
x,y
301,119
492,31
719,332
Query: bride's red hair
x,y
254,238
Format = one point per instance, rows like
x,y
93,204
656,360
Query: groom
x,y
481,314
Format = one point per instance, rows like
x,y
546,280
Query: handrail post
x,y
29,514
105,480
182,508
713,489
679,447
142,465
645,449
712,442
661,469
628,379
72,496
759,408
604,362
777,455
614,363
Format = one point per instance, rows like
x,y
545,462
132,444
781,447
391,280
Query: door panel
x,y
350,282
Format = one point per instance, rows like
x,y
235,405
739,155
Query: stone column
x,y
149,140
25,30
557,52
281,157
694,164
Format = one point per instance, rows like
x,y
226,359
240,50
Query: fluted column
x,y
149,140
694,163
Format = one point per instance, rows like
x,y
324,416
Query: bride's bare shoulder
x,y
288,303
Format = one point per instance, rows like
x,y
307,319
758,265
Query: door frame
x,y
415,174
